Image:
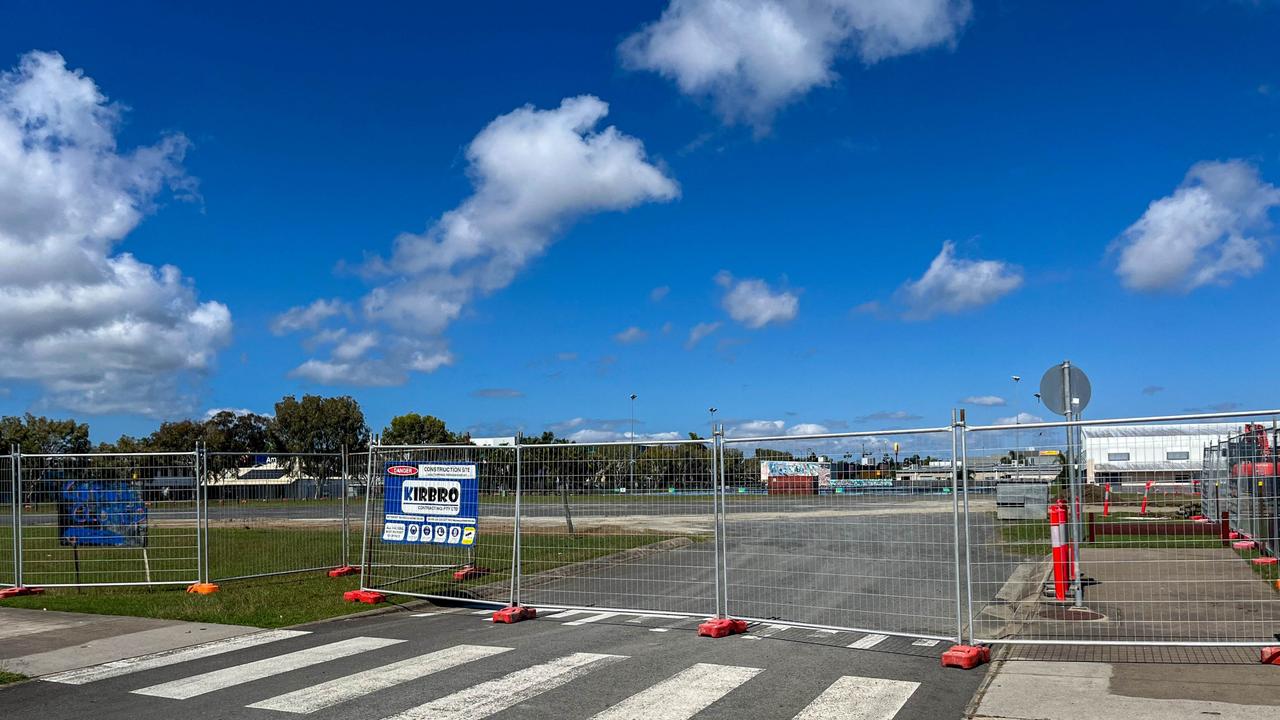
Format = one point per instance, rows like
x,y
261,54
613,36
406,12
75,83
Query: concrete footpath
x,y
39,642
1052,690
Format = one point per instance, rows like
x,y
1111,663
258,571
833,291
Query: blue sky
x,y
1103,179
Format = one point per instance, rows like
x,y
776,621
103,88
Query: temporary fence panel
x,y
1135,553
8,520
274,513
849,531
626,525
109,519
439,522
358,480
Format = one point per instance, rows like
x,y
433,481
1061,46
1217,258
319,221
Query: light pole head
x,y
633,396
1017,378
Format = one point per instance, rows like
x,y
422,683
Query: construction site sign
x,y
436,503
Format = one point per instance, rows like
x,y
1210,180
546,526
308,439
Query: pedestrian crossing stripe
x,y
682,695
190,687
152,661
487,698
860,698
338,690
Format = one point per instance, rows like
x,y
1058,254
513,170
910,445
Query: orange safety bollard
x,y
1106,500
1061,551
1145,491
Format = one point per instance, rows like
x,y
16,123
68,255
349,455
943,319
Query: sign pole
x,y
1073,479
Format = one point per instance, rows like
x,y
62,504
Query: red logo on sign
x,y
402,470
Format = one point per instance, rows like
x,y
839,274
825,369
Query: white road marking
x,y
868,641
664,616
117,668
768,630
487,698
338,690
925,643
682,695
821,633
484,612
859,698
567,613
594,618
237,674
659,629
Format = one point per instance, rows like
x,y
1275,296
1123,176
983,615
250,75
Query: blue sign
x,y
104,513
435,503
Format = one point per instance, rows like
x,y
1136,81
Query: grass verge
x,y
283,599
8,677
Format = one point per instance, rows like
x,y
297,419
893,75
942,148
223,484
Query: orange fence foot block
x,y
1263,561
1243,545
202,588
467,572
343,571
966,657
368,597
514,614
722,627
1271,656
6,593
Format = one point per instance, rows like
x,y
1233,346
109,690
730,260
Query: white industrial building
x,y
1160,453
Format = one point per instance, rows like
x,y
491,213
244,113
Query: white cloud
x,y
1211,230
234,411
700,331
535,172
97,329
593,435
307,317
659,293
1021,418
773,428
953,285
754,304
807,429
751,57
984,400
631,335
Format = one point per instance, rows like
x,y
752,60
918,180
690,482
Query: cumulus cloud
x,y
984,400
700,331
754,304
1021,418
99,330
1211,230
588,430
631,335
953,285
307,317
659,293
771,428
751,57
535,172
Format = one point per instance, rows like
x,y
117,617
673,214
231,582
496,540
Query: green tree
x,y
414,429
35,434
319,425
177,436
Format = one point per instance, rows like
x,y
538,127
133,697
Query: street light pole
x,y
632,444
1017,420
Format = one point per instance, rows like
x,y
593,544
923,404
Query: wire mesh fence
x,y
618,525
274,513
8,520
849,531
1139,550
466,549
109,519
